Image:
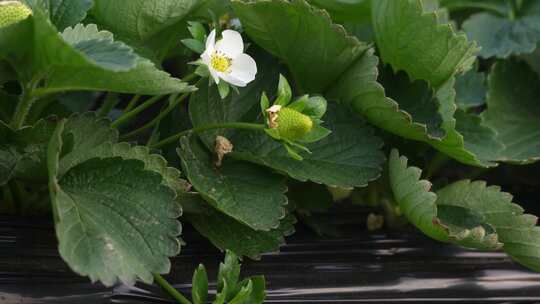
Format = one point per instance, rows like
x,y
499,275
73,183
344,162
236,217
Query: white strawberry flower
x,y
227,61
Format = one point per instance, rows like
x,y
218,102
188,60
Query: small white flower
x,y
226,59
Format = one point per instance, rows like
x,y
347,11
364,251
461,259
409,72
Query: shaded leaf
x,y
248,193
114,220
513,111
471,90
227,233
501,37
412,39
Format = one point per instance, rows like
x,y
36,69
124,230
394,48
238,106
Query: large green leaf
x,y
501,36
100,48
156,25
227,233
349,157
38,51
115,221
411,39
352,76
66,13
316,50
89,136
517,231
346,10
464,226
62,13
471,90
513,110
24,152
246,192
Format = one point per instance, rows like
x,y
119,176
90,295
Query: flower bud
x,y
12,12
293,125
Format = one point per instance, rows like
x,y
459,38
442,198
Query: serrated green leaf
x,y
24,152
517,231
471,90
228,275
414,197
199,289
248,193
243,295
501,37
83,136
467,227
412,39
114,220
64,13
346,10
417,99
65,68
157,26
513,111
227,233
258,292
287,30
91,136
356,83
100,48
349,157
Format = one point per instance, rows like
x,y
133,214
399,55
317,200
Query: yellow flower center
x,y
220,62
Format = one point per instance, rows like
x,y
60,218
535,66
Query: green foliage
x,y
115,221
513,110
230,289
468,213
518,32
290,145
240,190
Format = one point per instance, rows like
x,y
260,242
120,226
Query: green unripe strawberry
x,y
12,12
293,125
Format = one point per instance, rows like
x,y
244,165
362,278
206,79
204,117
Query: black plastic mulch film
x,y
357,268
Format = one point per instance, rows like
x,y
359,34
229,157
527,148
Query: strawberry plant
x,y
123,118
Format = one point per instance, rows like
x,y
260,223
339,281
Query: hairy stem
x,y
157,119
126,117
230,125
132,103
173,292
23,108
111,100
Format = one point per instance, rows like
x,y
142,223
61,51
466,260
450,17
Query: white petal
x,y
215,74
206,58
211,42
232,80
231,44
244,68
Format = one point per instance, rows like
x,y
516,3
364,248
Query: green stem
x,y
132,103
126,117
230,125
189,77
110,102
23,108
157,119
173,292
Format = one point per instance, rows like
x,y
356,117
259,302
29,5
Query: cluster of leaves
x,y
116,204
229,288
